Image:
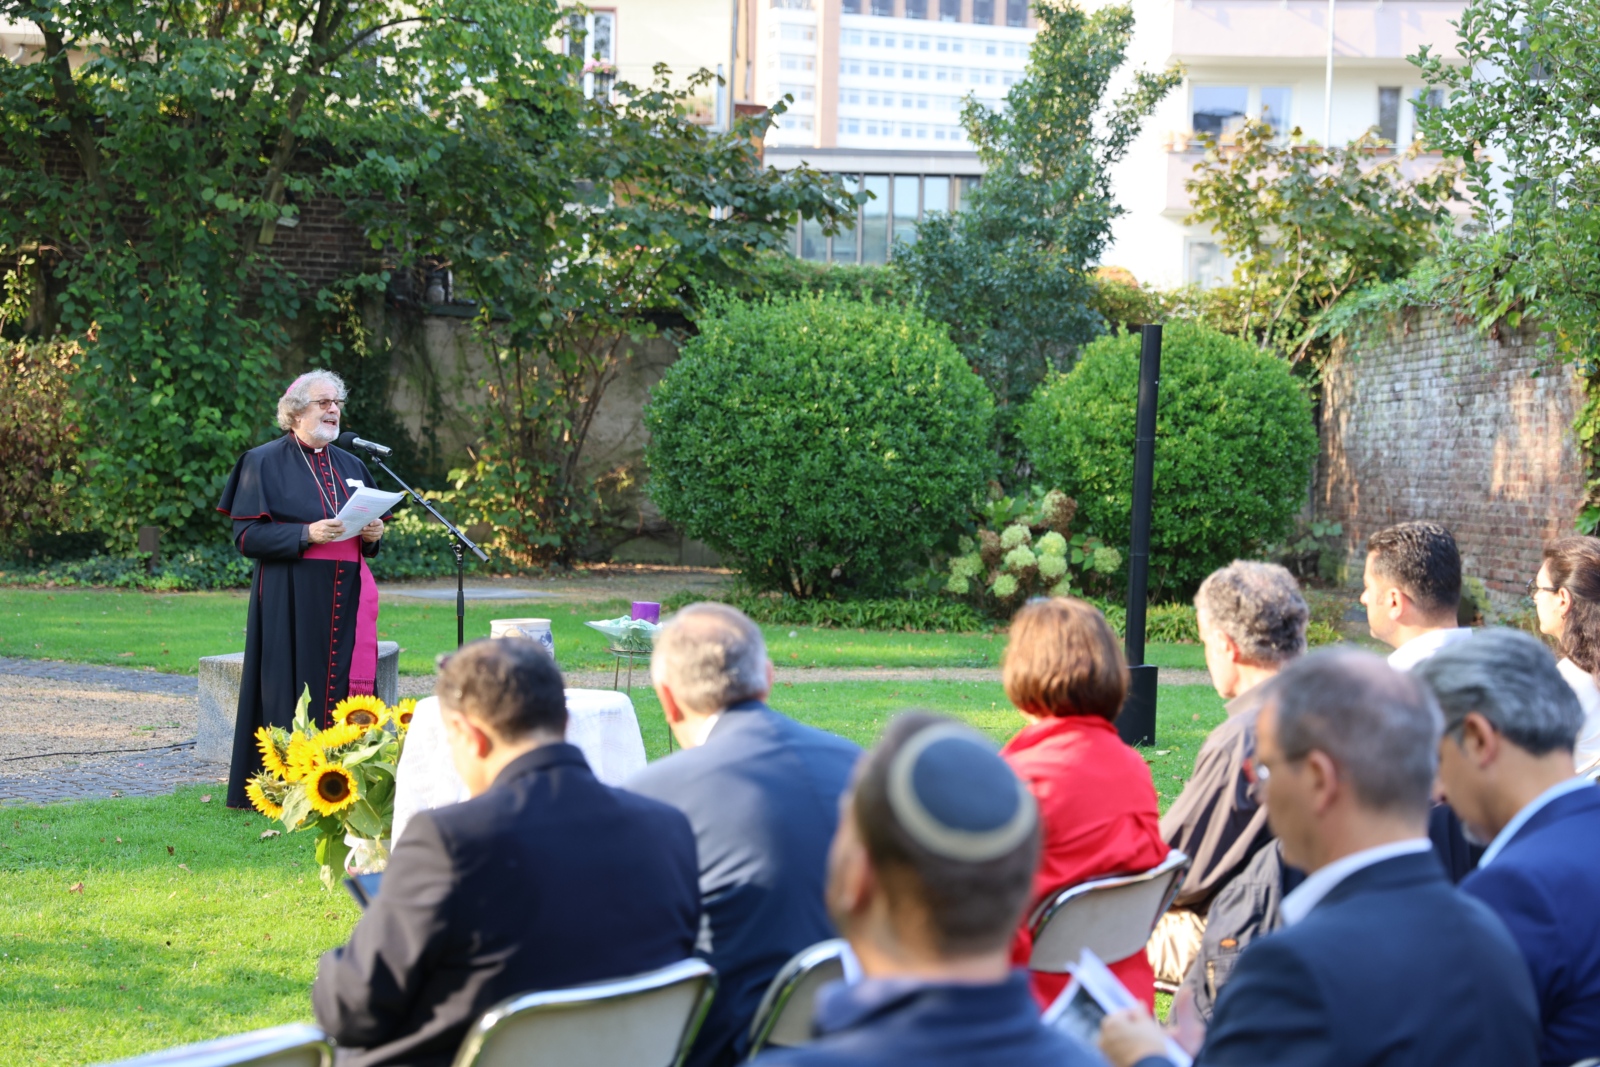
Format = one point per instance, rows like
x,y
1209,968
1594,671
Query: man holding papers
x,y
313,604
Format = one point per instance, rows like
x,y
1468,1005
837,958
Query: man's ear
x,y
1323,780
1395,602
669,703
1479,741
1235,654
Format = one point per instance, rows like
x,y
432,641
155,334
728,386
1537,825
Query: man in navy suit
x,y
762,793
1506,767
1380,960
928,877
537,882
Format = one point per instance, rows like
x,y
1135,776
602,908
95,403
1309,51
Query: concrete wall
x,y
1427,419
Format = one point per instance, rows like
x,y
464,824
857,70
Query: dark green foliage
x,y
1164,623
780,274
1234,448
908,614
1009,275
826,444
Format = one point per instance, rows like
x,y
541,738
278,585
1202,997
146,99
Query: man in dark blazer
x,y
762,793
545,878
1506,767
1380,960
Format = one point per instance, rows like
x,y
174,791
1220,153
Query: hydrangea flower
x,y
1015,535
969,566
1020,558
1005,586
1062,588
957,585
1052,566
1053,544
1106,559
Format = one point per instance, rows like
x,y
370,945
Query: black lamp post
x,y
1137,722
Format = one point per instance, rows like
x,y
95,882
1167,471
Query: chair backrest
x,y
784,1017
1112,917
295,1045
648,1020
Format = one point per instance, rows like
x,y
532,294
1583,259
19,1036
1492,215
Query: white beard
x,y
325,434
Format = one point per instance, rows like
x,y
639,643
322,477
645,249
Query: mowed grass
x,y
192,925
170,632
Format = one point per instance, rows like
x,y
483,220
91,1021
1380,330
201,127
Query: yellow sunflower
x,y
338,736
262,802
403,711
361,710
271,758
304,757
331,789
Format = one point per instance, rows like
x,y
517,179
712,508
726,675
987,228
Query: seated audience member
x,y
762,793
1064,671
1249,906
1411,587
544,878
1380,960
1252,621
1566,594
928,874
1506,766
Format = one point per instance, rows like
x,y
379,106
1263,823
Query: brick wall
x,y
1426,419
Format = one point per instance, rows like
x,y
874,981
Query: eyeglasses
x,y
1534,588
326,405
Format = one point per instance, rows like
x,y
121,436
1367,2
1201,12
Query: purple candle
x,y
647,611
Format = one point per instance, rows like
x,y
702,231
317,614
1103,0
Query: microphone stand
x,y
459,546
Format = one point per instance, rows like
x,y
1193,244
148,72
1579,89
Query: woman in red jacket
x,y
1064,672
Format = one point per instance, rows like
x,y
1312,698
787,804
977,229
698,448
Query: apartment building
x,y
1268,60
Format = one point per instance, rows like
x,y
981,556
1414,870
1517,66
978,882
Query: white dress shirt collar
x,y
1529,810
706,728
1319,883
1422,646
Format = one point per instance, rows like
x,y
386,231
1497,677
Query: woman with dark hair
x,y
1065,673
1566,595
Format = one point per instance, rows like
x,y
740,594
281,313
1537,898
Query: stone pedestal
x,y
219,697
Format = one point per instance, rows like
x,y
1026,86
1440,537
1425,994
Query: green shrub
x,y
825,444
414,546
918,614
1166,623
1234,448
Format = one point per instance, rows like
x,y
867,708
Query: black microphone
x,y
349,440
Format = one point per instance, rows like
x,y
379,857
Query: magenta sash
x,y
364,659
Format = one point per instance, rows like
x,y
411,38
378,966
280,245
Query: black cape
x,y
302,625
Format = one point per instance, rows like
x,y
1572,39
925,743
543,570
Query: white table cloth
x,y
600,722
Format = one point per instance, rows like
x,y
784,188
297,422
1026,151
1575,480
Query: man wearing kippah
x,y
927,878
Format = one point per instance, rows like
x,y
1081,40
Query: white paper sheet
x,y
1094,993
363,506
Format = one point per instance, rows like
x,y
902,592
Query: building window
x,y
1205,264
883,9
983,12
916,9
1219,110
591,38
796,31
965,187
949,10
1016,12
1428,98
792,5
875,220
1275,108
1389,113
851,7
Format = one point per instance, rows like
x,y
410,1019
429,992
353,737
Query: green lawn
x,y
192,925
170,632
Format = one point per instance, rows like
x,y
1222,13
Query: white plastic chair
x,y
295,1045
1112,917
784,1017
648,1020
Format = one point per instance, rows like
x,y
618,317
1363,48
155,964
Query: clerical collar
x,y
306,447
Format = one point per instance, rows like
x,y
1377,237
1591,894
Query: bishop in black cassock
x,y
313,604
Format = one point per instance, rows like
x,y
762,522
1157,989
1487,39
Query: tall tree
x,y
1009,275
151,154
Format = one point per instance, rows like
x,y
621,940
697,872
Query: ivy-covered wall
x,y
1425,418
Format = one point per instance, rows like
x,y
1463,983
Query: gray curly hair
x,y
295,399
1258,605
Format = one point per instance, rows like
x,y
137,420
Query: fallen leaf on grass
x,y
119,840
77,887
171,850
206,799
125,655
183,867
268,833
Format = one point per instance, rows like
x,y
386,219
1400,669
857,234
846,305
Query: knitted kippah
x,y
955,796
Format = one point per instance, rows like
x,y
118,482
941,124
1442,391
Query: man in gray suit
x,y
762,794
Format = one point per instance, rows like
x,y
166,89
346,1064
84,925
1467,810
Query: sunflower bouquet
x,y
338,781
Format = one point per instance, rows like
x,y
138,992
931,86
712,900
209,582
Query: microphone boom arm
x,y
462,541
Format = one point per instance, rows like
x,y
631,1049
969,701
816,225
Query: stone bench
x,y
219,698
